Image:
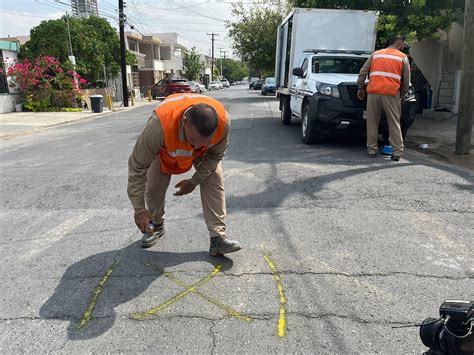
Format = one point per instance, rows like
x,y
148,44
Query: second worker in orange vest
x,y
185,130
389,80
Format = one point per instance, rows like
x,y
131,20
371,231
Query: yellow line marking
x,y
169,302
95,296
230,311
281,292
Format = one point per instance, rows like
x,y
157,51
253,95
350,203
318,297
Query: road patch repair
x,y
193,288
188,289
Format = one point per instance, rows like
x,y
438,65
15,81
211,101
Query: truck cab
x,y
324,96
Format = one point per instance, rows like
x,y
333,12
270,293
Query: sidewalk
x,y
16,124
440,135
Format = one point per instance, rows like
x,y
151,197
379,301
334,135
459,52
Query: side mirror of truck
x,y
298,72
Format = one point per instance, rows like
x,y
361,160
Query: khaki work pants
x,y
212,197
391,105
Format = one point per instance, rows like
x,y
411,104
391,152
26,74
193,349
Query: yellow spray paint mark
x,y
95,296
281,292
229,310
174,299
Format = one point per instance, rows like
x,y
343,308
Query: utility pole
x,y
466,98
220,57
212,60
71,57
222,70
123,63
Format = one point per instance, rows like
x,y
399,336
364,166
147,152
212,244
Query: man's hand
x,y
361,94
185,187
143,220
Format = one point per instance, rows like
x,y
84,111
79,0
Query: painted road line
x,y
281,293
54,235
230,311
95,296
174,299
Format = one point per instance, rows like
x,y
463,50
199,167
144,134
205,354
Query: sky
x,y
191,19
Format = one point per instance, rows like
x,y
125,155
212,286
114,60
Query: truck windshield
x,y
337,65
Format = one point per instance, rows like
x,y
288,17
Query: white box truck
x,y
319,54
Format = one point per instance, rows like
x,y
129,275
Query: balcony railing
x,y
175,64
154,64
140,59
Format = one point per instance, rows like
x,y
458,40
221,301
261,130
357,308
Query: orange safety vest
x,y
177,156
386,72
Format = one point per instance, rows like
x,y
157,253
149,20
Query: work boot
x,y
395,158
372,155
148,240
222,245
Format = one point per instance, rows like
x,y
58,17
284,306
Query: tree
x,y
414,19
234,70
254,34
95,44
254,29
192,64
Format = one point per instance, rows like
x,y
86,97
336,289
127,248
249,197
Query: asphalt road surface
x,y
338,248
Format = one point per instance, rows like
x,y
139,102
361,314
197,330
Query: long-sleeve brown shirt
x,y
148,146
405,82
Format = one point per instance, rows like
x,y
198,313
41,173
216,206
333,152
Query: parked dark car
x,y
251,82
257,85
167,87
269,86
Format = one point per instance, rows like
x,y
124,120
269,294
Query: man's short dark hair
x,y
394,39
204,118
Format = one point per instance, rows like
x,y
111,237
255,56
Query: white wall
x,y
7,102
456,39
426,55
439,60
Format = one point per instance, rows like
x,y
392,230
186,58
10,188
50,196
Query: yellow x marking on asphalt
x,y
188,289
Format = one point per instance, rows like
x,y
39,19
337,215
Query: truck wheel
x,y
309,133
285,110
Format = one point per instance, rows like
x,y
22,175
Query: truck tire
x,y
309,133
285,110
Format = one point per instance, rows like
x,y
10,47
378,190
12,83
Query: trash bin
x,y
96,103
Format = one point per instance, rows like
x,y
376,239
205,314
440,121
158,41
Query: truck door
x,y
298,90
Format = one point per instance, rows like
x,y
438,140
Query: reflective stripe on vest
x,y
177,156
386,72
383,73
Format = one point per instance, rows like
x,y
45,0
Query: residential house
x,y
8,54
440,62
20,39
158,55
206,74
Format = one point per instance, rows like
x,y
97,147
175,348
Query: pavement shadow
x,y
88,302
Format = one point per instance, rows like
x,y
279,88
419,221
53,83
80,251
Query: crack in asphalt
x,y
469,276
213,320
332,273
213,337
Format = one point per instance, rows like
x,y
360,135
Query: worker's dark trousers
x,y
212,197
